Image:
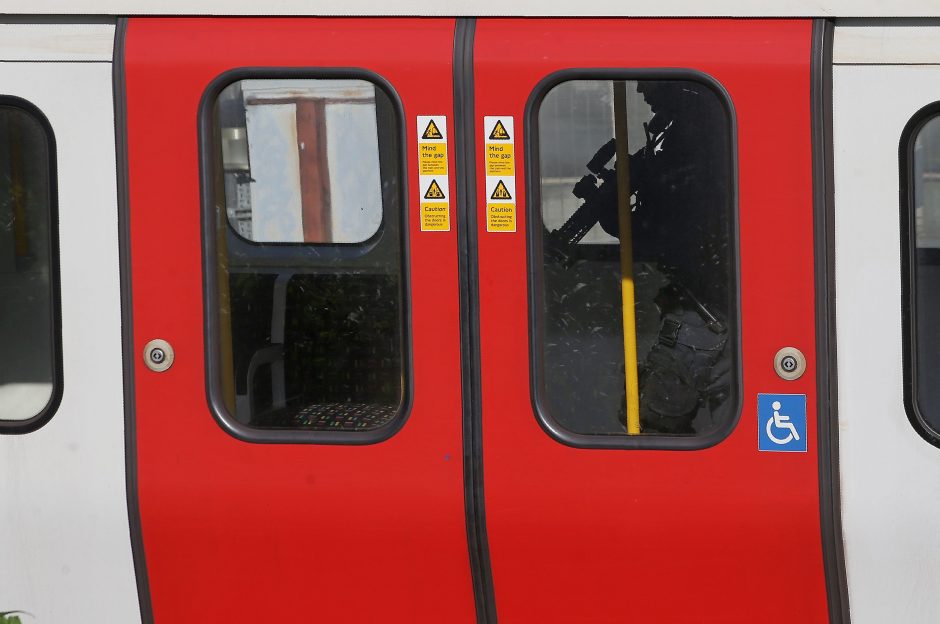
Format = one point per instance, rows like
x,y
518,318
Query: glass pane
x,y
927,270
679,208
312,335
27,368
301,160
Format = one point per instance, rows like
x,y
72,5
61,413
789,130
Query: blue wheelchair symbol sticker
x,y
781,422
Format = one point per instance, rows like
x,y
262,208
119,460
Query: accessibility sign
x,y
781,423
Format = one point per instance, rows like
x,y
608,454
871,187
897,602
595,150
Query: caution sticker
x,y
433,159
434,191
433,183
500,191
499,132
500,218
435,217
431,131
500,160
500,156
500,204
435,203
432,145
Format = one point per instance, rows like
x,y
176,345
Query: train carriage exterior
x,y
596,313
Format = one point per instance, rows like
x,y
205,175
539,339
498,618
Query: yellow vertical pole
x,y
626,258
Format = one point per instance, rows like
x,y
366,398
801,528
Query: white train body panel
x,y
64,535
890,474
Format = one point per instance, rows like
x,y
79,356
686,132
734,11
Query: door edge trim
x,y
468,267
830,507
119,93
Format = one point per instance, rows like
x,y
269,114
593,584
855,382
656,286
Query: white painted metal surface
x,y
56,42
639,8
65,553
890,475
893,44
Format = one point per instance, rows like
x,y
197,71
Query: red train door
x,y
295,260
696,518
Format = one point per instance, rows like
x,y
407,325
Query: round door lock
x,y
790,363
158,355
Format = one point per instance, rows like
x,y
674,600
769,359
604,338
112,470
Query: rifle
x,y
598,190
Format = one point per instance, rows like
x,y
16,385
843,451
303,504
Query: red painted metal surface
x,y
725,534
287,533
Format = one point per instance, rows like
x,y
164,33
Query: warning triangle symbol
x,y
500,192
499,132
432,132
434,191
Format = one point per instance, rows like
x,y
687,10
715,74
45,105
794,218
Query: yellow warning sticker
x,y
501,192
499,157
500,160
501,217
434,191
433,187
431,131
499,132
435,217
432,159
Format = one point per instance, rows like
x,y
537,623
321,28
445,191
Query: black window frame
x,y
55,299
209,162
535,265
908,233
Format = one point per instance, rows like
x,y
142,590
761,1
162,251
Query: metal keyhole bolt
x,y
789,363
158,355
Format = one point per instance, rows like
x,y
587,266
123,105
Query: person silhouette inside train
x,y
681,226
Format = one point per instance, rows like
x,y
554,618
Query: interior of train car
x,y
533,314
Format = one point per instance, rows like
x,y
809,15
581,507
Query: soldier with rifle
x,y
681,225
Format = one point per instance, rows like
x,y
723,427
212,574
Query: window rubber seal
x,y
207,169
534,242
33,423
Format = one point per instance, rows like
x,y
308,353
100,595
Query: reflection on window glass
x,y
27,298
302,160
926,266
311,334
676,338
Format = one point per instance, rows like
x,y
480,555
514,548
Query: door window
x,y
635,266
922,222
30,369
307,261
